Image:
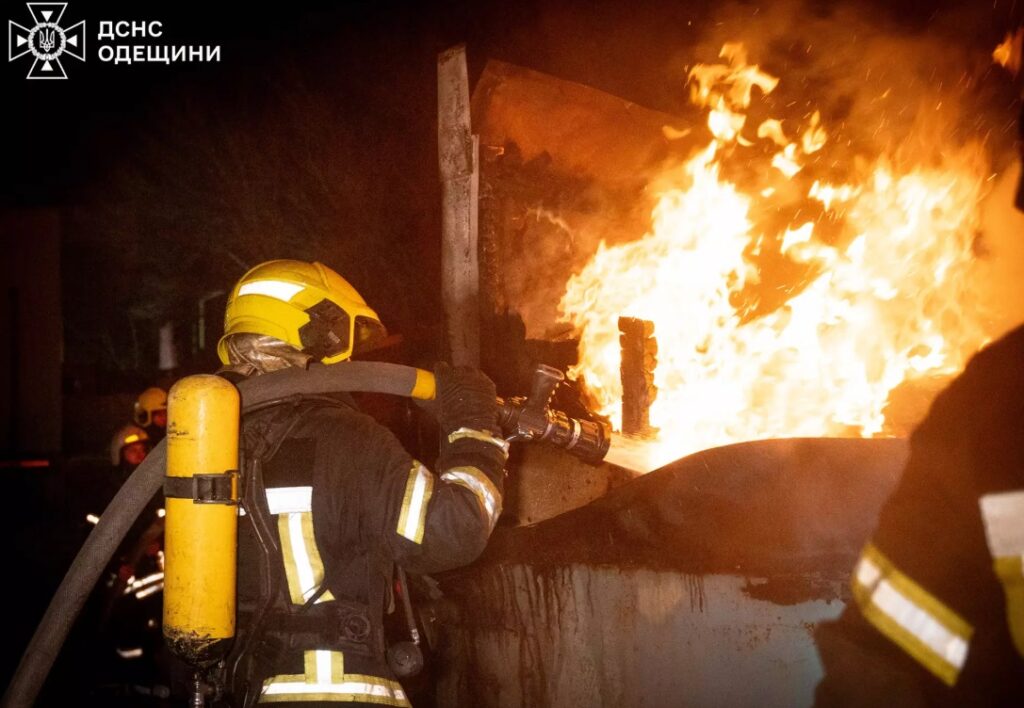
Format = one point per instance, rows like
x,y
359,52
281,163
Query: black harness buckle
x,y
217,488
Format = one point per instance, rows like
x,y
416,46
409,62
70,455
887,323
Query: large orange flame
x,y
885,301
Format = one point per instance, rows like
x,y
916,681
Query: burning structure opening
x,y
791,291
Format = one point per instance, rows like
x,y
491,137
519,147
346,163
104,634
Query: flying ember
x,y
802,327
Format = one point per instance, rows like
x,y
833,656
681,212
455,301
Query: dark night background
x,y
314,137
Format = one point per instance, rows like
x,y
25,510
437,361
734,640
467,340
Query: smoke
x,y
883,84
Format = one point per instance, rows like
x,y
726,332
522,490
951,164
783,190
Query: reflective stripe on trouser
x,y
910,616
482,488
1003,515
418,489
303,566
325,680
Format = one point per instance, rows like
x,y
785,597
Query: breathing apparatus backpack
x,y
220,521
270,623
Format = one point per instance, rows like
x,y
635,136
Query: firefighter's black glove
x,y
466,398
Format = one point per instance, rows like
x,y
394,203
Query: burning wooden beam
x,y
639,358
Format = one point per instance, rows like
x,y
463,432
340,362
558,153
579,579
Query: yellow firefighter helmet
x,y
125,438
150,401
306,305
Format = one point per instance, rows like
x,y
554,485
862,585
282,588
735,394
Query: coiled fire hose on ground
x,y
521,418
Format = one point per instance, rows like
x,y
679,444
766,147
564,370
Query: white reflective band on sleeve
x,y
277,289
153,579
418,489
464,433
482,487
151,590
1003,515
289,500
920,623
868,573
911,617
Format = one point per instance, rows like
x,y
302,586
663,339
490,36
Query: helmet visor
x,y
369,334
328,332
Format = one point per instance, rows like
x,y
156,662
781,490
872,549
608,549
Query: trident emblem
x,y
46,41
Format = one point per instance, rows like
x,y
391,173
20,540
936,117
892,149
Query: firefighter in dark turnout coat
x,y
335,503
938,611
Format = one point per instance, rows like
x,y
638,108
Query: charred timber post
x,y
458,160
639,358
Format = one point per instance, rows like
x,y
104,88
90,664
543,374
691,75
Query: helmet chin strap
x,y
250,354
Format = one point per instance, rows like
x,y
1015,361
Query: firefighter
x,y
938,610
334,503
150,413
128,448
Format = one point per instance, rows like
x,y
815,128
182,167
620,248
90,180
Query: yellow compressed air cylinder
x,y
201,524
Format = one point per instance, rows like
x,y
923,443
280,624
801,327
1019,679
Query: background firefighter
x,y
128,448
334,502
150,412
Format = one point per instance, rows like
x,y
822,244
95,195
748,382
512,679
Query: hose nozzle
x,y
530,418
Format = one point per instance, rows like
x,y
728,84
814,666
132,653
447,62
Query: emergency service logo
x,y
47,41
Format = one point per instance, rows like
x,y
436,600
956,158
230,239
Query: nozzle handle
x,y
530,419
542,388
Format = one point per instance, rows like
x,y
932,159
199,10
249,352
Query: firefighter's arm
x,y
443,520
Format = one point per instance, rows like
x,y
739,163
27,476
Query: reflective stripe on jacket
x,y
325,680
1003,515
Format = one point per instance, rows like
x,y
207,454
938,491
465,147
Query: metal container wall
x,y
698,585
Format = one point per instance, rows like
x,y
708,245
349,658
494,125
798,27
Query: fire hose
x,y
521,418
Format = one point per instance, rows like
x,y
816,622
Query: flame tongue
x,y
881,301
